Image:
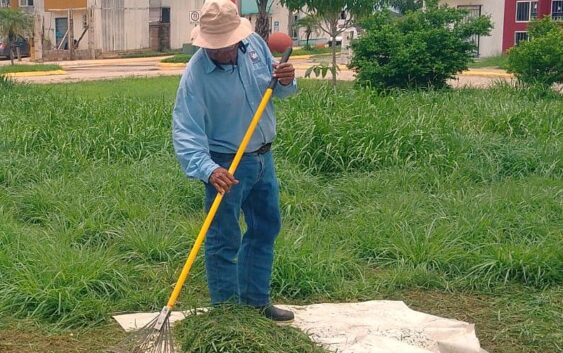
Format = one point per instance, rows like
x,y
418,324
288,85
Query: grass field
x,y
451,201
177,59
500,62
7,69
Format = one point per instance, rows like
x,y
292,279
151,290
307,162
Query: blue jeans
x,y
239,268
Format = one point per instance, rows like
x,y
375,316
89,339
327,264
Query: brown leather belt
x,y
264,149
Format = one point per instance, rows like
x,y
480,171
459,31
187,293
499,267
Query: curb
x,y
296,57
171,66
486,73
35,73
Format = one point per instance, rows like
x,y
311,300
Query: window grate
x,y
520,37
526,11
557,10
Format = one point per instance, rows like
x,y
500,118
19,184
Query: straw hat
x,y
220,25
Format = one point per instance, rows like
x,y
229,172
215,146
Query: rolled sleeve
x,y
282,91
188,132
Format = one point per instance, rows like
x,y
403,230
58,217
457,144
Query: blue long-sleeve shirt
x,y
215,104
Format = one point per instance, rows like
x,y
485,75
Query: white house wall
x,y
180,24
121,24
136,18
489,45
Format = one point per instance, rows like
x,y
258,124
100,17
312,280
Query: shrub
x,y
419,50
539,61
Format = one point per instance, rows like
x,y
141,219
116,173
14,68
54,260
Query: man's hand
x,y
222,180
285,73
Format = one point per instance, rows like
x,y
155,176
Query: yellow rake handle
x,y
215,206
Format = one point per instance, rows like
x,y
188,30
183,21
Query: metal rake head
x,y
154,337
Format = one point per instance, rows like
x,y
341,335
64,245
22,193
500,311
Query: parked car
x,y
21,42
338,41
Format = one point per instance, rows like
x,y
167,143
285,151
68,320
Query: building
x,y
489,45
510,20
518,14
25,5
105,27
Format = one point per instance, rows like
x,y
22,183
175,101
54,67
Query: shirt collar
x,y
210,66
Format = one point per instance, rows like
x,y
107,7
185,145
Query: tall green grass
x,y
452,190
459,132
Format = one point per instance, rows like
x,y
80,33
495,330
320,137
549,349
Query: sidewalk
x,y
106,69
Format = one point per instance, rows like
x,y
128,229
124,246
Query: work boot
x,y
276,314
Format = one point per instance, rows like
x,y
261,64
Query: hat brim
x,y
218,41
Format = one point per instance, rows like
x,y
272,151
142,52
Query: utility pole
x,y
70,37
91,32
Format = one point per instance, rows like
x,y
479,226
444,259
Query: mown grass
x,y
310,51
178,58
148,53
499,62
7,69
450,192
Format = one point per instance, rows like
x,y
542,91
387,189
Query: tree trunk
x,y
263,20
12,55
263,26
334,31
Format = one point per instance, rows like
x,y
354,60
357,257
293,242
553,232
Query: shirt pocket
x,y
262,74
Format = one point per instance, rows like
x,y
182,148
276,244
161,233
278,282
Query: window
x,y
165,15
526,11
26,3
4,3
557,10
520,37
473,11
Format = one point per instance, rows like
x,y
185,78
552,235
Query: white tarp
x,y
367,327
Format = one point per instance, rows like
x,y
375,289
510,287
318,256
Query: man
x,y
217,98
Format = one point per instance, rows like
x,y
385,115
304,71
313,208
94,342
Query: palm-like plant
x,y
310,24
13,24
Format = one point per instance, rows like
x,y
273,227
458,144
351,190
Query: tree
x,y
263,20
335,16
540,60
422,49
406,5
13,24
310,24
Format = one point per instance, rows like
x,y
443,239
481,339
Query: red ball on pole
x,y
278,42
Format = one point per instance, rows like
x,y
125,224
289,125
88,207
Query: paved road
x,y
88,70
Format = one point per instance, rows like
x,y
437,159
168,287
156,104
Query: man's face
x,y
227,55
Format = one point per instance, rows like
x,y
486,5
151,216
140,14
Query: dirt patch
x,y
34,340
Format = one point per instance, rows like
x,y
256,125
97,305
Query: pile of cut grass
x,y
241,330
